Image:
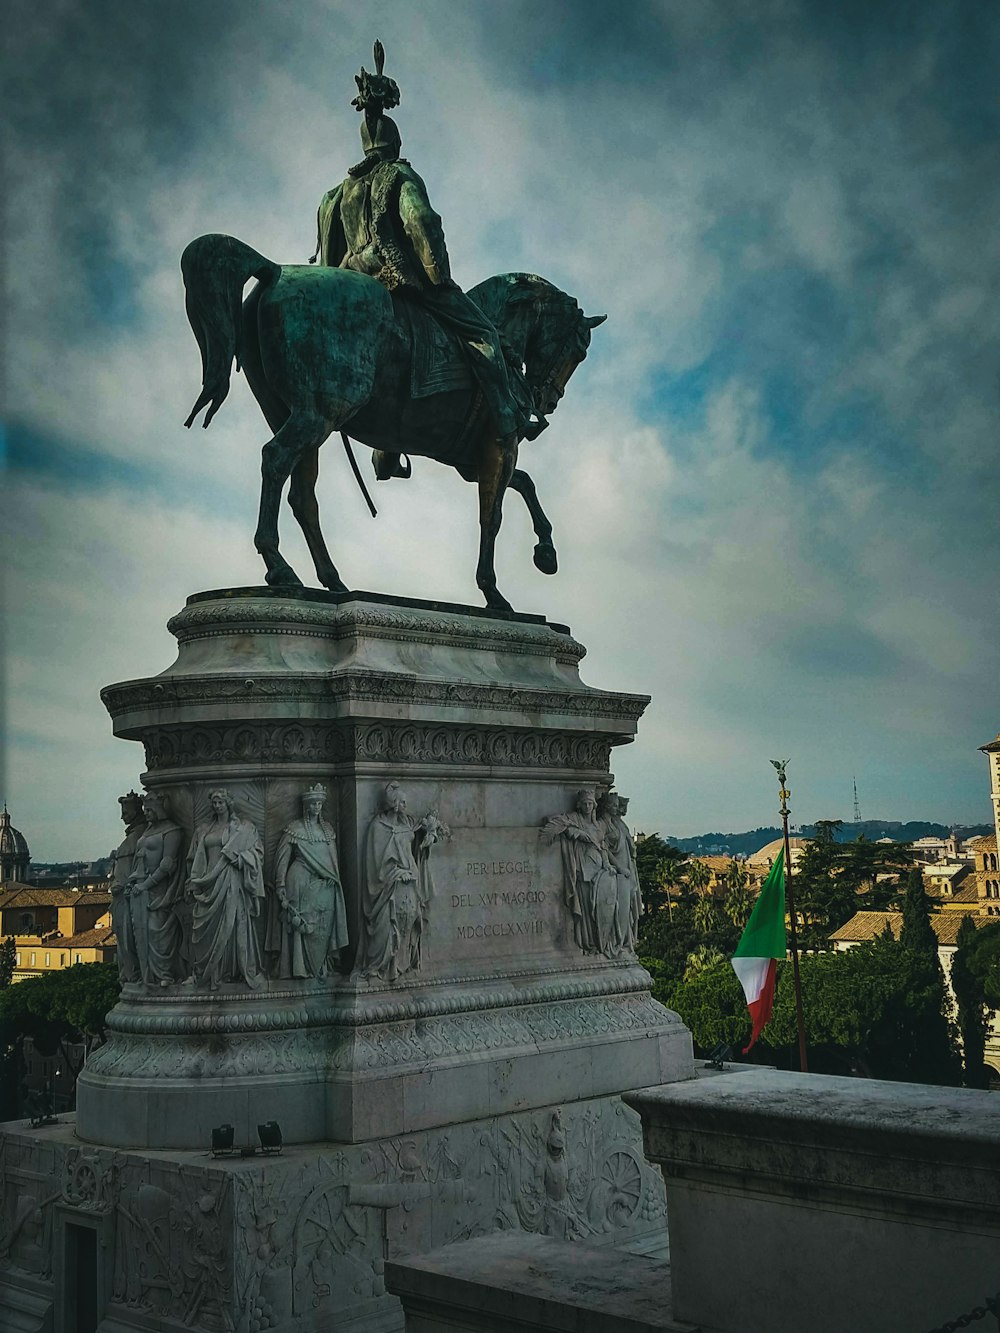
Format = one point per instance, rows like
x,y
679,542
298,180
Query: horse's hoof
x,y
545,558
333,583
495,601
284,577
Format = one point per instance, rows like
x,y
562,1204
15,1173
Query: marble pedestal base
x,y
296,1243
497,1007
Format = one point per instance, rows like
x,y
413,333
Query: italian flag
x,y
760,948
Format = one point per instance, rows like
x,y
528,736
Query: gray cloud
x,y
774,481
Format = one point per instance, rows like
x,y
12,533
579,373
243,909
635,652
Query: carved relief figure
x,y
121,907
308,926
589,883
226,886
398,886
621,854
155,893
555,1180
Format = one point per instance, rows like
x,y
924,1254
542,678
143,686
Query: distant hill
x,y
745,844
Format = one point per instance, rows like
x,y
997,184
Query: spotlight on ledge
x,y
718,1057
222,1140
270,1136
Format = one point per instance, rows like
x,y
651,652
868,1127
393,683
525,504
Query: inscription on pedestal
x,y
494,900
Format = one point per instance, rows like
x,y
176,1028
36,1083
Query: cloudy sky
x,y
774,483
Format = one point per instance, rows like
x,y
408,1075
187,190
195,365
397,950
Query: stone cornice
x,y
368,686
286,1010
361,620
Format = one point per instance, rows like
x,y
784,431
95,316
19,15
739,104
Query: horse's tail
x,y
216,269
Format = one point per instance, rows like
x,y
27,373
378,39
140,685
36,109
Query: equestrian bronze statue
x,y
378,342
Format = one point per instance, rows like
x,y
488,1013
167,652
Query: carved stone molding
x,y
372,742
388,1045
366,686
355,1046
140,1056
374,622
201,1015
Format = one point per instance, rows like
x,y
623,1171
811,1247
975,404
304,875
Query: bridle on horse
x,y
546,383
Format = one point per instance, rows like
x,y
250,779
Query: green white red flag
x,y
761,947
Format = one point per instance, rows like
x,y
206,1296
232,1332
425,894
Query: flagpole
x,y
784,793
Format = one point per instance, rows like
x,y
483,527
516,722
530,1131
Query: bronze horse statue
x,y
327,349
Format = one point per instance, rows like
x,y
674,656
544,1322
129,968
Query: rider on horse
x,y
379,221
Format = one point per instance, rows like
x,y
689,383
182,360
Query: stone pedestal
x,y
437,1000
472,990
297,1243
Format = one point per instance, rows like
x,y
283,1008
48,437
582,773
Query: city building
x,y
927,851
765,858
55,928
15,857
985,848
946,880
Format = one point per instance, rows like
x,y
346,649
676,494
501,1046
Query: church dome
x,y
14,853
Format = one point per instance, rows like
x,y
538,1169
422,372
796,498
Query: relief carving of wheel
x,y
621,1177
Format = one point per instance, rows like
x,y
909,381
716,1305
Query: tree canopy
x,y
832,880
60,1007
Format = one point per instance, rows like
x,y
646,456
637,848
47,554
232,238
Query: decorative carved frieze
x,y
386,742
363,1045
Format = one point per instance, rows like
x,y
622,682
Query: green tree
x,y
970,1003
59,1010
881,1006
827,831
918,933
668,938
699,876
8,1049
833,880
984,962
658,864
738,902
713,1006
706,917
700,959
8,959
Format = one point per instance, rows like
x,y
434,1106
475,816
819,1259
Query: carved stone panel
x,y
205,745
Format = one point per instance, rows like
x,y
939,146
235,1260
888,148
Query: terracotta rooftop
x,y
864,926
99,937
968,893
30,895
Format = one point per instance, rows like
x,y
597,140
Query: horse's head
x,y
555,348
546,328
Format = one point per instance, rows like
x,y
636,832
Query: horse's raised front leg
x,y
545,552
303,431
496,466
302,498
